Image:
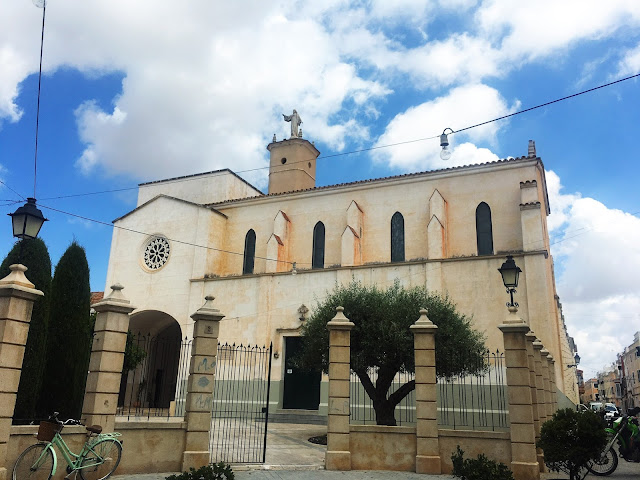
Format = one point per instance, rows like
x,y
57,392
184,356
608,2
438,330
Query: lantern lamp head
x,y
27,220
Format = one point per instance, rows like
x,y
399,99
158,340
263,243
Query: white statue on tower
x,y
296,121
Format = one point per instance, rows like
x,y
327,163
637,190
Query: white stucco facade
x,y
205,221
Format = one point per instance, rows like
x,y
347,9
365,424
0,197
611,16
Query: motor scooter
x,y
625,431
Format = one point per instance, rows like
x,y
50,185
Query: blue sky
x,y
140,91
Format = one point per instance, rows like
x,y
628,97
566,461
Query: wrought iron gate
x,y
239,416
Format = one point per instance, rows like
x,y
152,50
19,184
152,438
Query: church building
x,y
267,257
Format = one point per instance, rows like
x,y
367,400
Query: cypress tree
x,y
35,256
70,333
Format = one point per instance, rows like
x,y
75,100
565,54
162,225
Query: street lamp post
x,y
510,273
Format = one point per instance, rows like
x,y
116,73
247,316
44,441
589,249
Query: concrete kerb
x,y
267,474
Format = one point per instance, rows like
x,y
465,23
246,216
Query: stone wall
x,y
148,446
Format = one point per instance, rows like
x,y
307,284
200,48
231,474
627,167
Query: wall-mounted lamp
x,y
576,358
445,153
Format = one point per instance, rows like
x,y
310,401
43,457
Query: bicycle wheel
x,y
35,463
605,465
101,460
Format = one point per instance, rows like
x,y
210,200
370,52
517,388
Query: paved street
x,y
625,471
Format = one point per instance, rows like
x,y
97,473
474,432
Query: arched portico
x,y
154,383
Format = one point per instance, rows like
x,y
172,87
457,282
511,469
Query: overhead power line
x,y
375,147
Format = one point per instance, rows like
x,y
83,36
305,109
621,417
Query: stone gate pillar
x,y
338,456
552,383
107,356
202,369
548,406
17,295
427,446
534,395
524,462
542,407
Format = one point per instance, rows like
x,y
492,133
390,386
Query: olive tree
x,y
381,338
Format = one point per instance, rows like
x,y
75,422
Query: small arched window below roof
x,y
317,255
249,252
397,237
484,231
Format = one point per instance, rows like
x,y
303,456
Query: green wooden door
x,y
301,387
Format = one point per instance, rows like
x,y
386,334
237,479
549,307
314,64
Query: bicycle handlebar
x,y
68,421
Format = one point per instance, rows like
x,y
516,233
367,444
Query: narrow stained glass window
x,y
317,257
484,232
249,252
397,237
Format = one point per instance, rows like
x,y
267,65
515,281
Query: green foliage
x,y
480,468
35,256
217,471
70,335
381,338
134,354
570,440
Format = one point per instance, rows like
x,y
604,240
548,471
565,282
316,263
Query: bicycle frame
x,y
74,461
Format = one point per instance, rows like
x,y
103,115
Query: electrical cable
x,y
35,160
100,222
377,147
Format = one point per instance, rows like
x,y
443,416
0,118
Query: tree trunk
x,y
383,406
385,412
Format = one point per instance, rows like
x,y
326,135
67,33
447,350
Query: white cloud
x,y
630,63
531,30
199,75
462,107
598,255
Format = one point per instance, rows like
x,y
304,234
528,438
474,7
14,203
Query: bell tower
x,y
293,161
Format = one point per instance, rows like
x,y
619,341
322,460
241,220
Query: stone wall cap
x,y
208,311
16,276
423,323
340,322
514,319
17,282
537,344
519,327
544,352
115,301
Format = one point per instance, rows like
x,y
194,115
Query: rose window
x,y
156,253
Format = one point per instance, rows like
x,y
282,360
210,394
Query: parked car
x,y
610,411
595,406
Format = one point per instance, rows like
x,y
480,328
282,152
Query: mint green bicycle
x,y
98,459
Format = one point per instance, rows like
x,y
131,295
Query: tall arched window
x,y
484,232
249,252
317,256
397,237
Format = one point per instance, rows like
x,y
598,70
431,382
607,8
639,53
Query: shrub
x,y
217,471
480,468
570,440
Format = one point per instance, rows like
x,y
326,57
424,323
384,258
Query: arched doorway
x,y
150,384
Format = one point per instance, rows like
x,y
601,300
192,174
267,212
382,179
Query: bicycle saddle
x,y
94,429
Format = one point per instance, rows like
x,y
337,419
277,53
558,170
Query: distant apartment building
x,y
590,393
609,389
630,381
